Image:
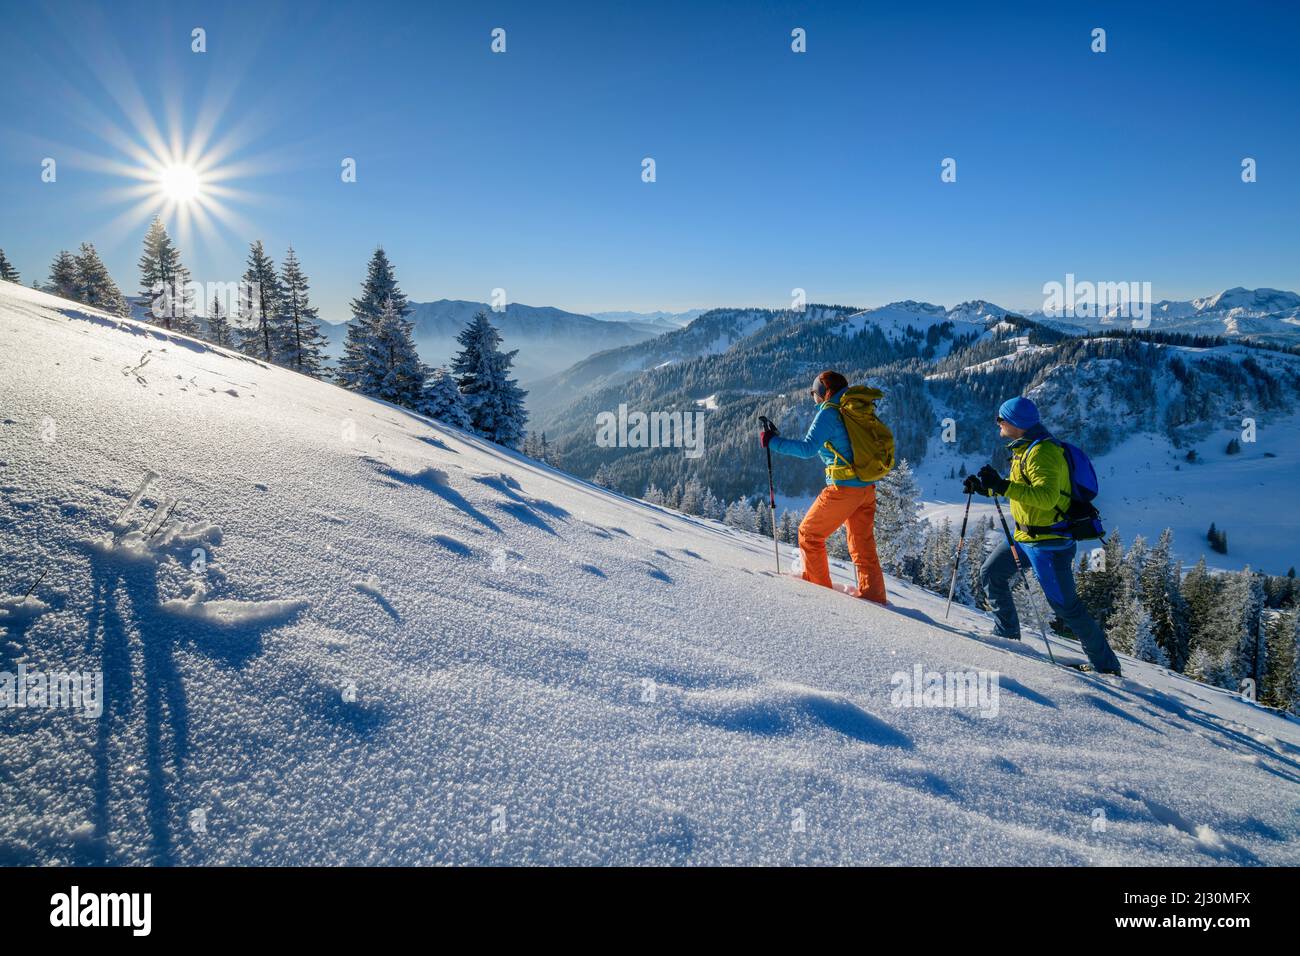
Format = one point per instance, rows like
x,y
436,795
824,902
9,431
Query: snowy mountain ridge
x,y
1265,315
549,339
405,645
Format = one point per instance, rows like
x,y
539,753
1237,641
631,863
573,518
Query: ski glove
x,y
992,481
767,433
972,485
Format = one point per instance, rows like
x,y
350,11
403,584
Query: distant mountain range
x,y
1265,315
666,320
548,339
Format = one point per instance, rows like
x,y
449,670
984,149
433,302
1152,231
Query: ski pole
x,y
961,540
36,582
771,494
1024,579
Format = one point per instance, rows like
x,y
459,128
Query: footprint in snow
x,y
1203,835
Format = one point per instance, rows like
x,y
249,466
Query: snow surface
x,y
363,637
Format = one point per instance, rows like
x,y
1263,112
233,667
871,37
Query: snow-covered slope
x,y
363,637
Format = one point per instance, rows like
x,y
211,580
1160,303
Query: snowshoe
x,y
1086,668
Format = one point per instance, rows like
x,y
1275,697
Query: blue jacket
x,y
827,426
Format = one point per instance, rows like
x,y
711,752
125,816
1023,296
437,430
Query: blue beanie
x,y
1020,412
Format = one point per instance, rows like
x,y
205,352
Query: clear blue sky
x,y
775,170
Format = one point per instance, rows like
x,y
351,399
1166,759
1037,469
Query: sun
x,y
180,183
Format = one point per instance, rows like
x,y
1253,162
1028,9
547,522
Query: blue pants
x,y
1054,566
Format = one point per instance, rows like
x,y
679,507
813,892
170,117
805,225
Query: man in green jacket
x,y
1039,491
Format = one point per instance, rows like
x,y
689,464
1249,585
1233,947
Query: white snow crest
x,y
226,613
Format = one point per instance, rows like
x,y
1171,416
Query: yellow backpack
x,y
872,441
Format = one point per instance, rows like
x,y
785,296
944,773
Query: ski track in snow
x,y
366,638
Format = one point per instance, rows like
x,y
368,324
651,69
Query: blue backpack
x,y
1080,520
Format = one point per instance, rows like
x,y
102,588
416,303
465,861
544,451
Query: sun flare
x,y
180,183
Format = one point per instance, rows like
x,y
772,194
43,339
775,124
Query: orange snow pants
x,y
856,507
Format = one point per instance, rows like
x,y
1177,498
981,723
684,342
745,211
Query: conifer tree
x,y
165,282
1158,585
7,271
443,401
482,370
1280,681
898,530
393,369
303,342
63,275
259,306
380,287
1252,651
93,285
692,498
976,552
710,507
218,325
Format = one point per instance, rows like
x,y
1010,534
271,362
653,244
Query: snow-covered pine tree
x,y
1100,586
692,498
494,399
837,545
380,286
443,401
1252,651
788,529
765,518
393,371
961,585
546,453
94,286
898,526
741,515
259,306
63,275
303,343
1158,586
1200,595
711,507
165,282
673,496
1121,626
7,271
1280,681
936,556
1146,647
977,549
603,477
218,325
652,496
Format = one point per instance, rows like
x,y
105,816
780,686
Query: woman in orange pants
x,y
844,501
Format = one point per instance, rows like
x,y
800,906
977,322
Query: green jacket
x,y
1040,484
